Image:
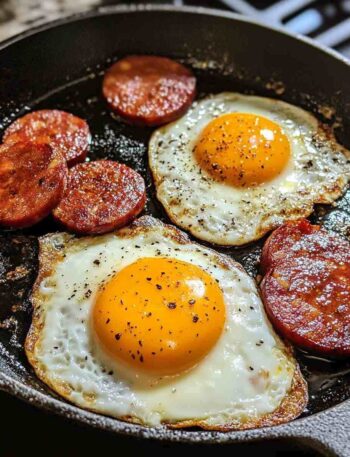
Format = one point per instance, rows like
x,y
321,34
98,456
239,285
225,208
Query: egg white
x,y
246,375
318,172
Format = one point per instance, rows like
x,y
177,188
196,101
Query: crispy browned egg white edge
x,y
292,404
330,195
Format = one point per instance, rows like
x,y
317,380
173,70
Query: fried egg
x,y
146,326
236,166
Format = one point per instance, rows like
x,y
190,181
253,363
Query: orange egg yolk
x,y
160,315
242,149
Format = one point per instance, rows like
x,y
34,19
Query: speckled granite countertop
x,y
19,15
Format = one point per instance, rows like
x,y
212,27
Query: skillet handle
x,y
327,447
3,386
327,432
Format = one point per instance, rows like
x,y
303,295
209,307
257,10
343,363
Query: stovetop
x,y
328,21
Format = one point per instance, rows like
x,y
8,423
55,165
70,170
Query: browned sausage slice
x,y
282,241
100,197
306,291
32,182
68,133
149,90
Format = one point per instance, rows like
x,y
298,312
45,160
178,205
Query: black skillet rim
x,y
317,430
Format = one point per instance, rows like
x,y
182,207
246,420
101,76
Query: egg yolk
x,y
242,149
159,315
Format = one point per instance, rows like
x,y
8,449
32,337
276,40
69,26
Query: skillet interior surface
x,y
62,67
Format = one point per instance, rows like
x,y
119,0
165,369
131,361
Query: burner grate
x,y
326,21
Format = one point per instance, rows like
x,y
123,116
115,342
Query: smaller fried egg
x,y
236,166
243,149
147,326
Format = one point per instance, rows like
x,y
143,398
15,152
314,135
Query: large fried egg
x,y
146,326
236,166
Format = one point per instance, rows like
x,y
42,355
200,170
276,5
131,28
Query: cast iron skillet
x,y
61,65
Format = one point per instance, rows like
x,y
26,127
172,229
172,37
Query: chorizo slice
x,y
33,178
149,90
306,288
100,196
64,131
292,236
